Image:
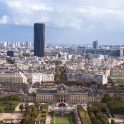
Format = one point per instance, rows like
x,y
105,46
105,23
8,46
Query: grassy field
x,y
63,119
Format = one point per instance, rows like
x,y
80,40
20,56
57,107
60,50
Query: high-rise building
x,y
39,39
95,45
28,44
10,53
4,44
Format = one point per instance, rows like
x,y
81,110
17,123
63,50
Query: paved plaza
x,y
16,116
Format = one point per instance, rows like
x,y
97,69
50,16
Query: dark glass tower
x,y
39,39
95,45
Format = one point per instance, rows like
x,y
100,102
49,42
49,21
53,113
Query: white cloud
x,y
75,14
89,28
4,19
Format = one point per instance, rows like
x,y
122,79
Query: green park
x,y
62,118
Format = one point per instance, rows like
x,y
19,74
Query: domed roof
x,y
61,86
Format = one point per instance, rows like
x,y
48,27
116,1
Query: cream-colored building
x,y
12,77
62,94
40,77
2,61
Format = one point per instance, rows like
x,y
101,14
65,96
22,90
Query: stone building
x,y
40,77
12,77
63,94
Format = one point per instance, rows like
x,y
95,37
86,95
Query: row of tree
x,y
8,106
31,112
115,104
8,103
116,107
96,113
107,98
12,97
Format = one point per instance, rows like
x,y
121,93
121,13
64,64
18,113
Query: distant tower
x,y
95,45
28,44
39,39
10,53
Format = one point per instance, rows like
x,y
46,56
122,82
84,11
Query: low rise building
x,y
14,88
40,77
101,79
75,76
12,77
109,52
117,71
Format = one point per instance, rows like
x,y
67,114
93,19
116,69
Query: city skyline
x,y
75,22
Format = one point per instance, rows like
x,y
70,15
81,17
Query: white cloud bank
x,y
75,14
4,19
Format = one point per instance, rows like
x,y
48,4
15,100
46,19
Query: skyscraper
x,y
95,45
39,39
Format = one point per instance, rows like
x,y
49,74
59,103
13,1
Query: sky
x,y
66,21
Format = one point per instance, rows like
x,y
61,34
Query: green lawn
x,y
63,119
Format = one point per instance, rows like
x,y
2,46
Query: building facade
x,y
101,79
109,52
13,77
63,94
95,45
39,39
40,77
86,77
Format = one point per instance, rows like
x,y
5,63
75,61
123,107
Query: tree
x,y
95,110
93,118
11,108
29,110
116,107
100,115
113,121
26,106
103,118
1,109
12,97
1,122
98,122
36,104
120,98
27,116
104,121
24,121
21,107
107,98
34,112
40,107
32,120
101,106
